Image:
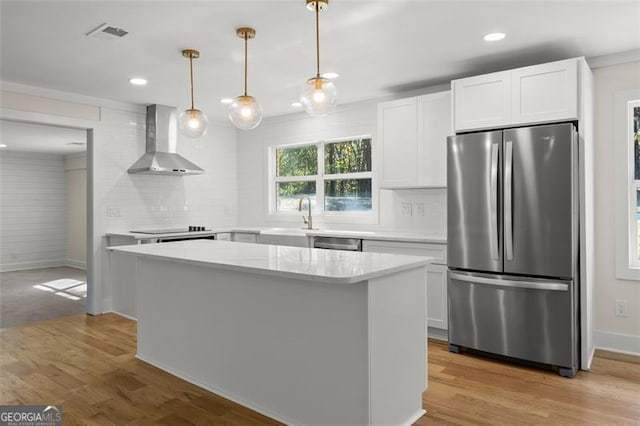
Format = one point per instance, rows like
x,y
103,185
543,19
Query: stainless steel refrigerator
x,y
513,244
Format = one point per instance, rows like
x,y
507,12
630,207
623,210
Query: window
x,y
335,175
627,184
633,138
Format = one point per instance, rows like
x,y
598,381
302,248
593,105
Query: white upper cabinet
x,y
529,95
547,92
434,125
483,101
398,143
412,141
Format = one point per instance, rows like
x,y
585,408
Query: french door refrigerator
x,y
512,244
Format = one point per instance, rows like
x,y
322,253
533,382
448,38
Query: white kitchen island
x,y
306,336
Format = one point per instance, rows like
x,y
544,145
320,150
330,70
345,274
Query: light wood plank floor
x,y
88,365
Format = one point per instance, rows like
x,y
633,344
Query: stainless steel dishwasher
x,y
335,243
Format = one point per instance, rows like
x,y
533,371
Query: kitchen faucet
x,y
307,220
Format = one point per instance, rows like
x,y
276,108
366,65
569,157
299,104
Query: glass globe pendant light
x,y
244,112
319,94
192,122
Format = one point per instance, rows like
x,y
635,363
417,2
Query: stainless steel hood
x,y
162,138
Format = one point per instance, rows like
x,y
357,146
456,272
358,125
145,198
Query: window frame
x,y
626,187
319,211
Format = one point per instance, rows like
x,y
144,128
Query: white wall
x,y
349,120
611,332
75,167
32,210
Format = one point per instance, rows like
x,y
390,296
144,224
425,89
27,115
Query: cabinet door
x,y
437,296
544,93
244,237
482,102
398,143
434,125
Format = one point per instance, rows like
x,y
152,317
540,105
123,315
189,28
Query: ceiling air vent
x,y
75,143
107,32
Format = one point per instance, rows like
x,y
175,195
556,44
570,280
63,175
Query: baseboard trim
x,y
79,264
617,342
10,267
129,317
438,334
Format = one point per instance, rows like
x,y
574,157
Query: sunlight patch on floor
x,y
66,287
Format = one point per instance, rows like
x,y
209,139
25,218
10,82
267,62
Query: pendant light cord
x,y
318,38
191,76
246,35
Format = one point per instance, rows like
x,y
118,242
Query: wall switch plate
x,y
622,308
113,212
406,209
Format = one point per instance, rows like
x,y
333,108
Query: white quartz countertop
x,y
366,235
330,266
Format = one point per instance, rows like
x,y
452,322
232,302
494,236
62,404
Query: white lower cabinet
x,y
436,276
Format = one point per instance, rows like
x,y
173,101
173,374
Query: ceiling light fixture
x,y
296,104
319,93
192,122
330,75
226,101
138,81
245,113
2,145
494,36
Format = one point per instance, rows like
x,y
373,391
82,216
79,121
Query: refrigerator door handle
x,y
494,243
508,200
546,285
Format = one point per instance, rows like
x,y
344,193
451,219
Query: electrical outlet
x,y
621,308
406,209
418,209
113,212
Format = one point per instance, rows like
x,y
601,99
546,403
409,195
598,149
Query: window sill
x,y
353,218
628,273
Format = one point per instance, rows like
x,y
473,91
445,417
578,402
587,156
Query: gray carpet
x,y
41,294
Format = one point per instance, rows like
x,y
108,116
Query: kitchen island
x,y
306,336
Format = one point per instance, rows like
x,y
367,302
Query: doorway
x,y
43,222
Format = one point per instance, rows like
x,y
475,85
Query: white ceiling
x,y
29,137
379,47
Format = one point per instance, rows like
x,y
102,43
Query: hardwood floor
x,y
88,365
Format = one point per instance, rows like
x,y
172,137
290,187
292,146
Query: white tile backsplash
x,y
157,200
427,206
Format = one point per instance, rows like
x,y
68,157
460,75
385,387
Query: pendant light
x,y
244,112
318,95
192,122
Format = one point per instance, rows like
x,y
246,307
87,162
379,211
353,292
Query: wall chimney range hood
x,y
160,157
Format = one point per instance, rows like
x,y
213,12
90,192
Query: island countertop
x,y
331,266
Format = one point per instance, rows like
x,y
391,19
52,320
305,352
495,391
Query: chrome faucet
x,y
307,220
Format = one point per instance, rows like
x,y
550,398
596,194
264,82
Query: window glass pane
x,y
289,193
636,140
638,223
348,156
347,195
299,161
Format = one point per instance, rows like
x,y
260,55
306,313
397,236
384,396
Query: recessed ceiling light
x,y
296,104
138,81
331,75
226,101
494,36
2,145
